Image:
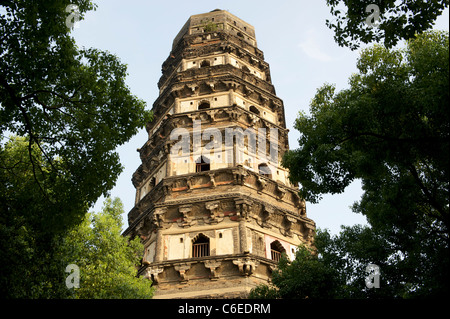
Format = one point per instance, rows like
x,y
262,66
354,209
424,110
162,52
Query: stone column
x,y
243,236
242,209
159,255
157,220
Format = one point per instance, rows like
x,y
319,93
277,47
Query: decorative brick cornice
x,y
245,264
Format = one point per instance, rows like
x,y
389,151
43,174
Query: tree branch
x,y
28,126
431,200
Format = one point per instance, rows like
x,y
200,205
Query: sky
x,y
298,46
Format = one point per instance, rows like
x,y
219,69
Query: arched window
x,y
254,109
204,105
200,246
276,249
263,169
205,63
202,164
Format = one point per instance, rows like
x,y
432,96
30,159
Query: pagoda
x,y
214,208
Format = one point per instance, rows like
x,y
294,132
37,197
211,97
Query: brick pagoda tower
x,y
214,208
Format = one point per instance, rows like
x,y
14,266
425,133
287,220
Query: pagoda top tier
x,y
217,20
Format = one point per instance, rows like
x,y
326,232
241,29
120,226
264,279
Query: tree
x,y
107,261
72,103
73,108
304,277
352,251
30,229
337,269
391,130
376,20
392,124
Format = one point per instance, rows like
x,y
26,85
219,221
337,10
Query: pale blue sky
x,y
292,34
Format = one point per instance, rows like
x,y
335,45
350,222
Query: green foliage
x,y
36,249
107,261
410,268
398,20
307,276
391,129
337,269
391,124
73,108
210,27
72,103
264,292
351,251
31,227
